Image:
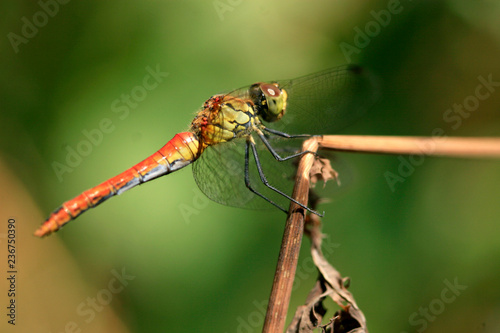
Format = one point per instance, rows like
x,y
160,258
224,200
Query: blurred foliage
x,y
211,270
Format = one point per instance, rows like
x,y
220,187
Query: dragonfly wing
x,y
327,101
220,175
319,103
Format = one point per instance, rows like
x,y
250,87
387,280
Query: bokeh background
x,y
188,264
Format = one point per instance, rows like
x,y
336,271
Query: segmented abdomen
x,y
181,150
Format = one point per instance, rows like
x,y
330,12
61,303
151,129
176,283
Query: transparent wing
x,y
220,174
327,101
319,103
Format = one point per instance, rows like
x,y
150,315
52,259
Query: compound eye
x,y
270,90
274,104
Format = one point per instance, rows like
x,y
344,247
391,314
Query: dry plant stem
x,y
443,146
292,237
290,246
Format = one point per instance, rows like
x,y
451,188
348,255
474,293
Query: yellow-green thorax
x,y
227,117
223,118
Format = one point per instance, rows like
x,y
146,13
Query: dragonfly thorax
x,y
223,118
269,100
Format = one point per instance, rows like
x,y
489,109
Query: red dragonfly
x,y
232,127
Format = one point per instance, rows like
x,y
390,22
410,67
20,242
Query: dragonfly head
x,y
269,100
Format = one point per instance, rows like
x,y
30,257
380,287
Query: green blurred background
x,y
200,266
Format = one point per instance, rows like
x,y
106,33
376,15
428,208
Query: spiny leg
x,y
286,135
266,183
273,151
247,180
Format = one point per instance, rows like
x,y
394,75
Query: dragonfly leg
x,y
286,135
249,186
264,179
275,154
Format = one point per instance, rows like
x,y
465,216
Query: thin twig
x,y
292,237
444,146
290,246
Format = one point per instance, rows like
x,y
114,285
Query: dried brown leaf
x,y
309,316
322,170
349,319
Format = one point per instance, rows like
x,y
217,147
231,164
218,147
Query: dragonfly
x,y
230,129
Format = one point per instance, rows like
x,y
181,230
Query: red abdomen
x,y
183,149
